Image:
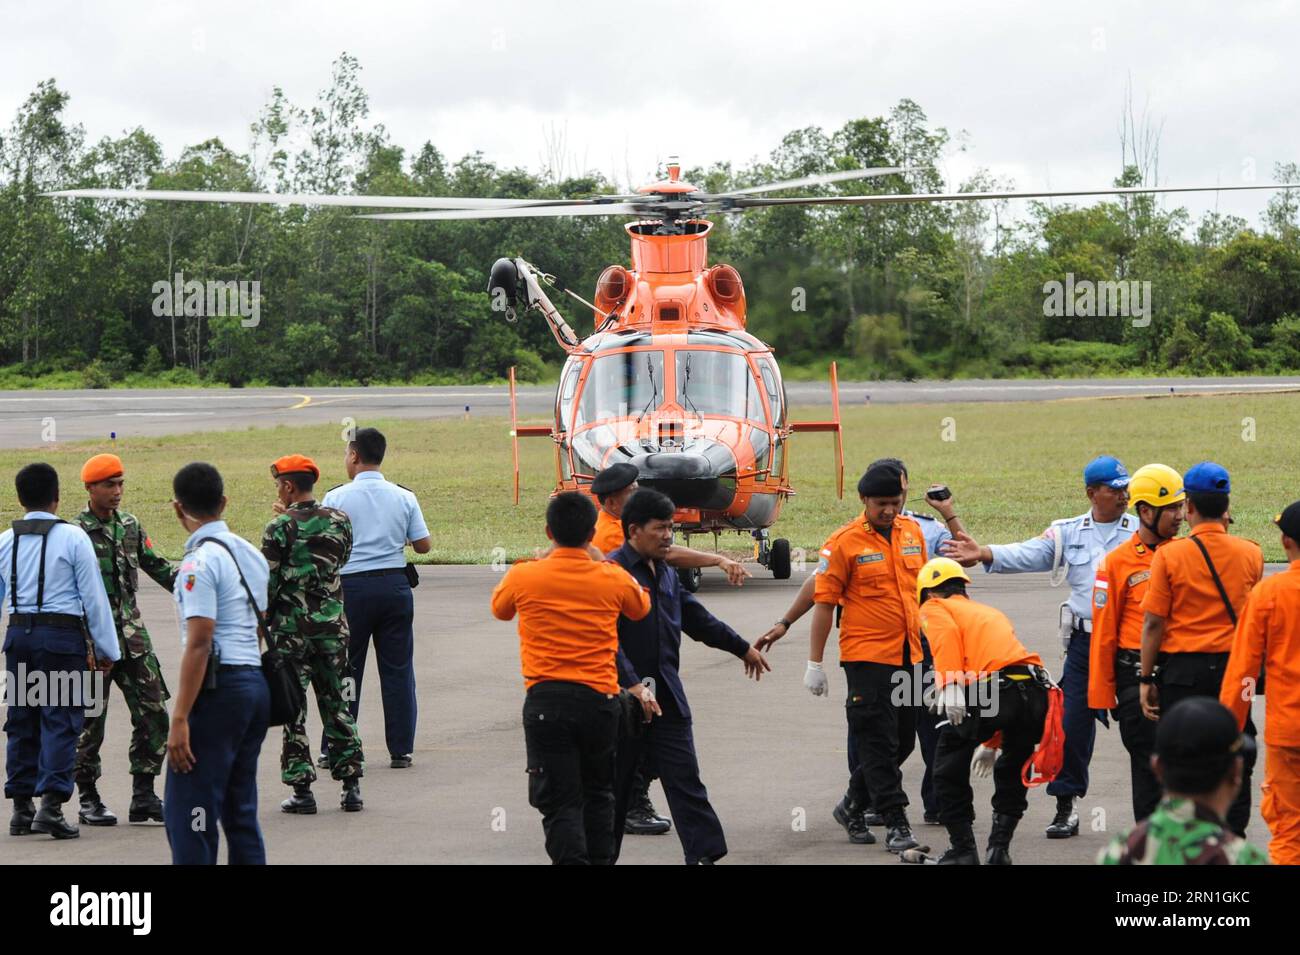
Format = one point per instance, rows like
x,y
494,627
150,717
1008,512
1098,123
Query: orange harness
x,y
1050,754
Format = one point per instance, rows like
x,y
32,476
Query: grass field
x,y
1012,467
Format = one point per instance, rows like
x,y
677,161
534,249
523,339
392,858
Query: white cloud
x,y
1038,87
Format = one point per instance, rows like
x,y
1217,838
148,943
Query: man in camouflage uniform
x,y
1199,763
124,549
306,545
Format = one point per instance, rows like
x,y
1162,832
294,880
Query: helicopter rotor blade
x,y
818,180
528,212
893,198
304,199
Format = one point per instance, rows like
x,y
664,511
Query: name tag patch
x,y
1141,575
910,551
870,558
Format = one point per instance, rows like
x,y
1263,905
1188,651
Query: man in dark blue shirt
x,y
648,662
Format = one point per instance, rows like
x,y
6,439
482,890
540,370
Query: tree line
x,y
916,290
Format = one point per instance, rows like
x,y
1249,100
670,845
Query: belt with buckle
x,y
59,621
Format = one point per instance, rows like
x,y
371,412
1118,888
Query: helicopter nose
x,y
699,477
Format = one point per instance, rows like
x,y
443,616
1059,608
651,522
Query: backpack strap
x,y
1218,584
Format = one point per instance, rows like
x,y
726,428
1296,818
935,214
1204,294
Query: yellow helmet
x,y
1157,485
936,571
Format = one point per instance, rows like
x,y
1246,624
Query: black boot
x,y
854,821
351,798
302,802
961,849
49,818
641,818
145,804
20,823
1004,827
872,818
1066,821
898,837
93,812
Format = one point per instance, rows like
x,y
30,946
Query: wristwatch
x,y
1149,680
785,623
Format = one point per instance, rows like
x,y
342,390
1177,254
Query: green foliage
x,y
896,290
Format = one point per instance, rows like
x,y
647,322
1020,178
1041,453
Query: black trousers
x,y
668,745
1137,733
570,731
884,733
1018,709
1201,674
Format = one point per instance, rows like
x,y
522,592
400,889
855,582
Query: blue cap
x,y
1105,470
1207,478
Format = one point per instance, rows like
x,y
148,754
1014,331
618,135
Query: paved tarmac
x,y
771,755
25,416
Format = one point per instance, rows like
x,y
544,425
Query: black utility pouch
x,y
210,676
412,575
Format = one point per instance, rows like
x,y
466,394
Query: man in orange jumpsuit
x,y
1197,585
870,565
988,683
1268,633
568,606
1156,493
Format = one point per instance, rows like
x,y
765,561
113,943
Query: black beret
x,y
614,478
881,480
1288,522
1197,732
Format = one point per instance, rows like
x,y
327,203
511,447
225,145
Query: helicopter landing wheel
x,y
778,560
690,578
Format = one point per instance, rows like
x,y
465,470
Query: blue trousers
x,y
670,746
41,740
1078,720
227,726
383,609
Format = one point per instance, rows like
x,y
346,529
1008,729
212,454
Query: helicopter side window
x,y
629,383
717,383
774,395
567,391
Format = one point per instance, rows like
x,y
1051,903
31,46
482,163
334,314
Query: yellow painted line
x,y
306,400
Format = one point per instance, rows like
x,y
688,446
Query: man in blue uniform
x,y
50,573
221,710
1071,549
650,650
376,587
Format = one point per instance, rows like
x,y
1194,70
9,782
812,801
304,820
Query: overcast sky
x,y
1038,87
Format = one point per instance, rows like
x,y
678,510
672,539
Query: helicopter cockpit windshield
x,y
714,383
621,385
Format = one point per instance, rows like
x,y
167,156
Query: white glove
x,y
953,700
814,678
982,763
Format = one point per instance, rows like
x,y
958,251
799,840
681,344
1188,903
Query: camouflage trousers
x,y
141,681
323,665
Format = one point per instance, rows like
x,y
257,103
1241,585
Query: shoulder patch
x,y
1099,596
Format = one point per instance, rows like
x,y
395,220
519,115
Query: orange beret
x,y
100,468
295,464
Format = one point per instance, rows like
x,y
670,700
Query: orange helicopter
x,y
671,383
669,380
